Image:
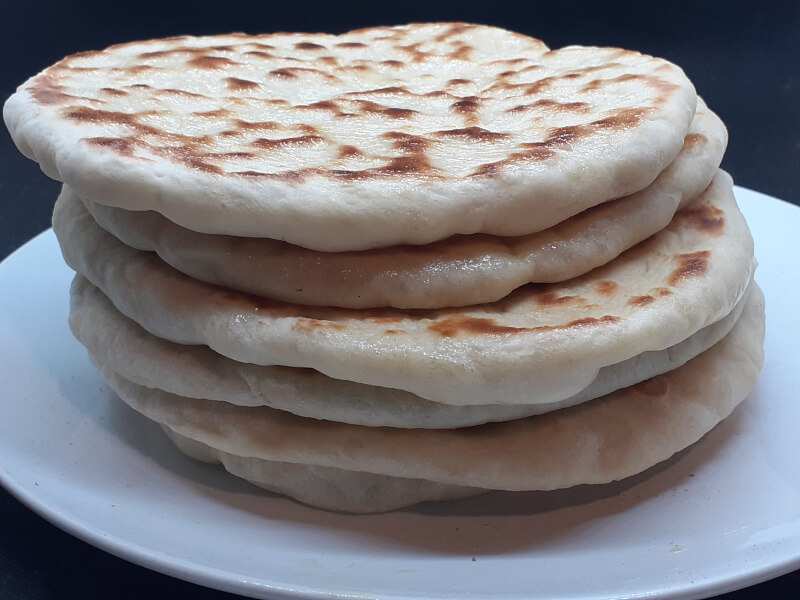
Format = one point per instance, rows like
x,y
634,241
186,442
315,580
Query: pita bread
x,y
458,271
597,442
538,345
373,138
199,372
326,487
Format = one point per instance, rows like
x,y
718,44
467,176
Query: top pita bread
x,y
373,138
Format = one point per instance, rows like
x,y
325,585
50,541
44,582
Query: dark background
x,y
743,57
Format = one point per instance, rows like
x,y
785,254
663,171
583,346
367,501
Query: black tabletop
x,y
742,56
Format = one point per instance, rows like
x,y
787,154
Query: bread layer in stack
x,y
404,263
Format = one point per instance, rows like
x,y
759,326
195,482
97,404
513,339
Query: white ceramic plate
x,y
722,515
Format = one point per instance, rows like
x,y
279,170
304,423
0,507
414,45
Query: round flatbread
x,y
326,487
198,372
597,442
373,138
540,344
459,271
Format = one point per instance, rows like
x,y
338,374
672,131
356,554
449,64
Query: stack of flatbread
x,y
403,263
